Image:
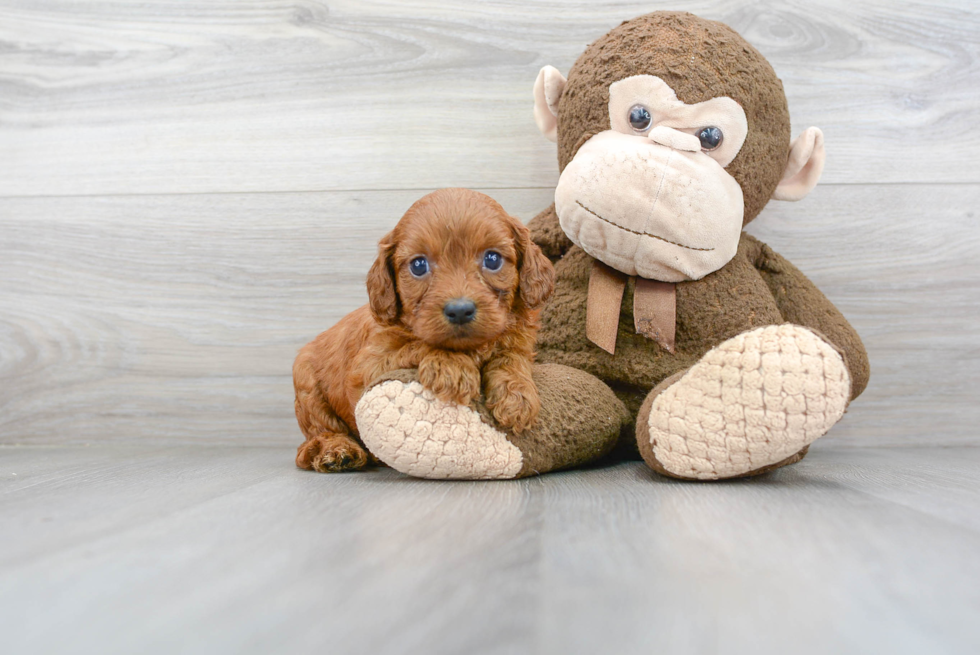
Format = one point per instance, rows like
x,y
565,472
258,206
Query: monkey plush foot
x,y
412,431
751,404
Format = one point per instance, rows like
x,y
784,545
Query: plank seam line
x,y
399,190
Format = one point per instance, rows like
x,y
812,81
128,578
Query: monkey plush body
x,y
757,288
702,348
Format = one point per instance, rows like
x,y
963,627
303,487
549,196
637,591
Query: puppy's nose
x,y
460,311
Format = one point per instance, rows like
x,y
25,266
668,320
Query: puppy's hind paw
x,y
331,454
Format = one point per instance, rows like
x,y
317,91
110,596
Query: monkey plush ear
x,y
547,92
806,158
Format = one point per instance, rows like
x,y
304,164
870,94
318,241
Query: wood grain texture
x,y
134,307
177,318
267,95
214,550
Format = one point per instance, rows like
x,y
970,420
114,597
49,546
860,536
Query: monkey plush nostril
x,y
668,136
459,311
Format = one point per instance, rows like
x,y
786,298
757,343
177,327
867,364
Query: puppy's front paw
x,y
451,379
331,454
513,401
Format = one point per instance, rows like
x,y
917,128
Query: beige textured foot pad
x,y
410,430
750,402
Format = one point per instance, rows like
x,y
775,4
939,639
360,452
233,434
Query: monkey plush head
x,y
673,133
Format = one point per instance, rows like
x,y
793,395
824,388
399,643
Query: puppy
x,y
455,293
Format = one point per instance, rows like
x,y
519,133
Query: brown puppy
x,y
455,293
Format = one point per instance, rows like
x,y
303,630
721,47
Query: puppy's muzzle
x,y
459,311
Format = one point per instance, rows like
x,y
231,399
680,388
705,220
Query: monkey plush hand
x,y
673,133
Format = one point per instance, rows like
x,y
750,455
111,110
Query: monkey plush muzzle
x,y
662,212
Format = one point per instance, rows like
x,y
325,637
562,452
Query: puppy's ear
x,y
382,292
537,275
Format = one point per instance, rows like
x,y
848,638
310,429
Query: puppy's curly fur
x,y
405,325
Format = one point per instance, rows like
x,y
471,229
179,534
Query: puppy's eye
x,y
711,138
640,118
492,260
419,266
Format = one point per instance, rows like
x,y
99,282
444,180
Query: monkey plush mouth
x,y
642,234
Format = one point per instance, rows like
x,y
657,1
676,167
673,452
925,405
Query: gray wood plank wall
x,y
189,191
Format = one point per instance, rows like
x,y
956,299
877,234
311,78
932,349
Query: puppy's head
x,y
457,271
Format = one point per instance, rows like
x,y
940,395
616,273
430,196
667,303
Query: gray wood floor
x,y
191,190
109,549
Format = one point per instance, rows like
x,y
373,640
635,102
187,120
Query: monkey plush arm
x,y
547,233
802,303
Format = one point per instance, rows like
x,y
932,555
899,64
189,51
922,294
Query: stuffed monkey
x,y
671,331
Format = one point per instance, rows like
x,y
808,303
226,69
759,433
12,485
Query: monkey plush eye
x,y
493,260
640,118
419,266
711,138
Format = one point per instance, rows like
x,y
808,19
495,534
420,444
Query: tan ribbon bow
x,y
654,308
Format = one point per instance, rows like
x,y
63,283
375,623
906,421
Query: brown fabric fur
x,y
403,325
700,59
721,305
